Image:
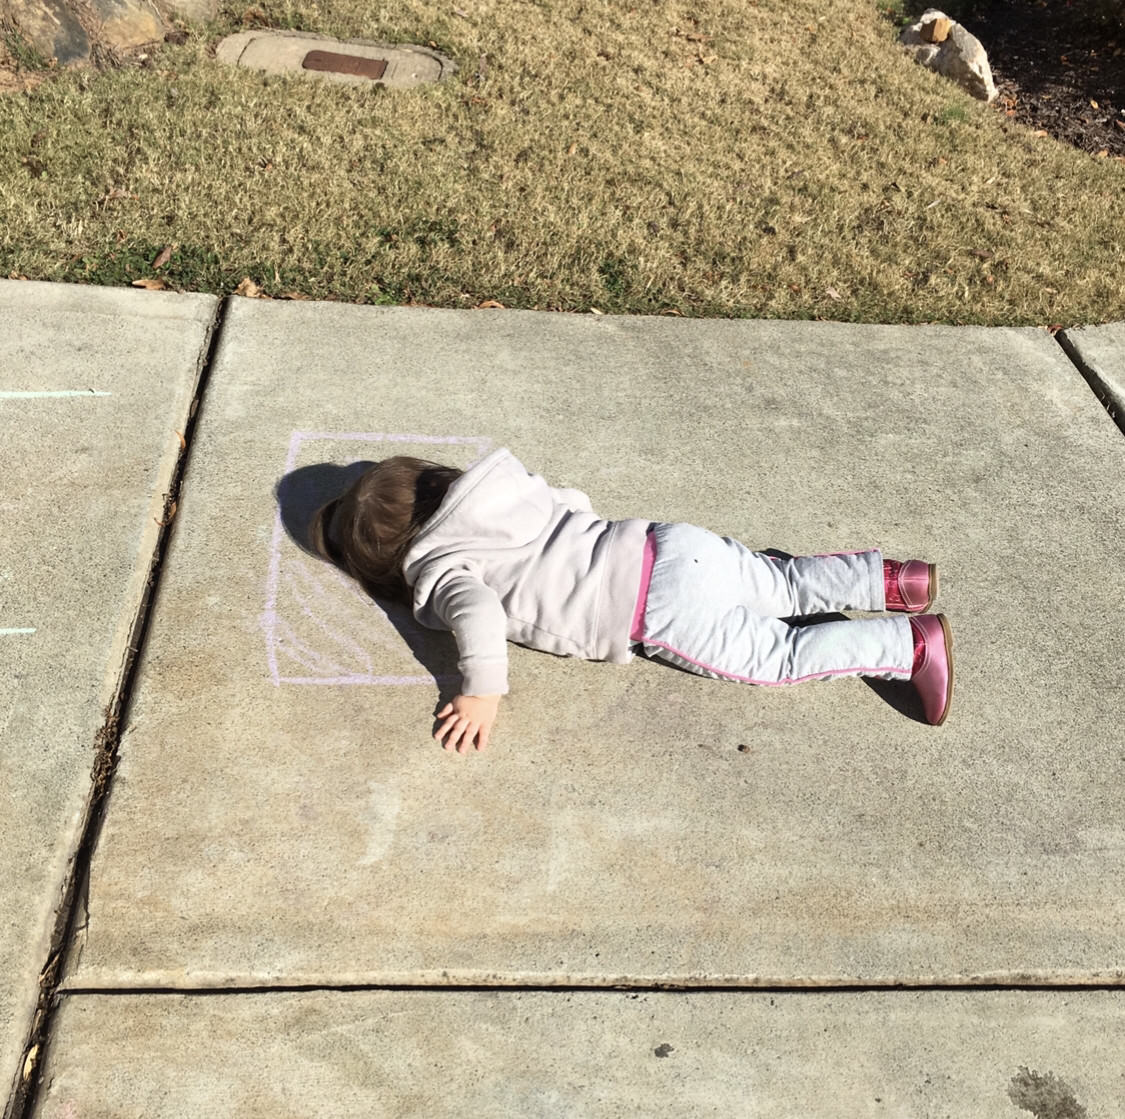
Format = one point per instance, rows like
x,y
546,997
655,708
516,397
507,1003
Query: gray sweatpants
x,y
716,609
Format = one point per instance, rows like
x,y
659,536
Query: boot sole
x,y
948,634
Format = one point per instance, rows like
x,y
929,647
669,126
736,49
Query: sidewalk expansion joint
x,y
71,915
966,986
1092,378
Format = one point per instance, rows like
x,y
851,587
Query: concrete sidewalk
x,y
94,386
406,932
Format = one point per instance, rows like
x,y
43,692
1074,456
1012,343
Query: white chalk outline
x,y
269,617
48,394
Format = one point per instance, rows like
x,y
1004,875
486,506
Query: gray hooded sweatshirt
x,y
508,558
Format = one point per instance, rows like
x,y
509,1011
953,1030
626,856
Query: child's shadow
x,y
299,495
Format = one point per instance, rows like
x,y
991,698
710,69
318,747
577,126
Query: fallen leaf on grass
x,y
490,303
298,295
117,195
151,283
832,293
1103,154
163,257
250,290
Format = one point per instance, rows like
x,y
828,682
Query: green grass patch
x,y
22,53
778,159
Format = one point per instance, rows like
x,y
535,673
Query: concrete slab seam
x,y
21,1101
1092,378
1019,983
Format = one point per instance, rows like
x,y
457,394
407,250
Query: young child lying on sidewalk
x,y
495,554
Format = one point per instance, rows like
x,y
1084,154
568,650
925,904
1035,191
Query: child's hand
x,y
468,718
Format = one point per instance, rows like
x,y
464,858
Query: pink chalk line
x,y
269,619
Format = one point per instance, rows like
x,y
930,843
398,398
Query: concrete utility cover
x,y
595,1054
353,60
281,815
94,384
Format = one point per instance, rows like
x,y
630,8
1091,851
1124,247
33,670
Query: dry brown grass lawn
x,y
724,157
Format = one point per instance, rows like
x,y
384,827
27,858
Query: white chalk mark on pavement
x,y
16,631
49,394
383,804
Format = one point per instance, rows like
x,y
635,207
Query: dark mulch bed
x,y
1056,68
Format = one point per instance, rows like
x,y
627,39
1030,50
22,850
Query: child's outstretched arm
x,y
474,614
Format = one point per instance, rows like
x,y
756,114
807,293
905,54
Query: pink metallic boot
x,y
933,665
910,587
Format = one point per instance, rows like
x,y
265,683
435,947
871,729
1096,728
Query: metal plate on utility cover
x,y
287,52
332,63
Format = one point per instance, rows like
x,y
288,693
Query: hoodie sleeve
x,y
475,615
575,500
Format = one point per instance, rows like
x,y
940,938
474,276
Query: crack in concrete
x,y
72,916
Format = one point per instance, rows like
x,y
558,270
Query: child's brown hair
x,y
368,530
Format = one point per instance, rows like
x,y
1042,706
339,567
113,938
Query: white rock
x,y
960,57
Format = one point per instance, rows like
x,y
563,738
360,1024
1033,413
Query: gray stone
x,y
198,11
870,1055
1100,350
94,384
283,52
50,27
73,31
281,814
125,24
960,56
